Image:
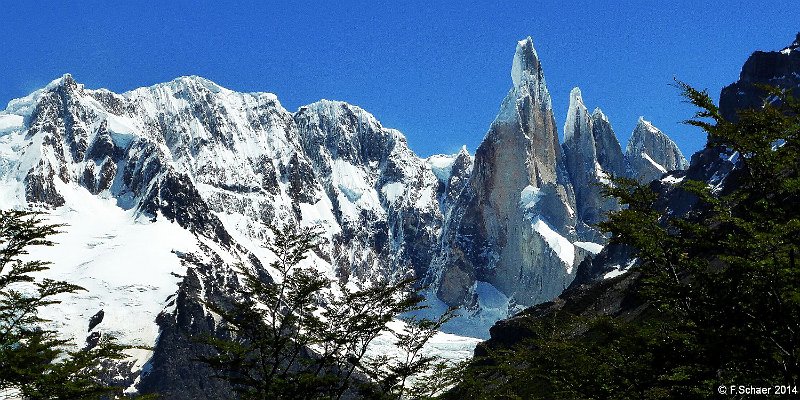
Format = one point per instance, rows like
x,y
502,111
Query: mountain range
x,y
166,190
608,285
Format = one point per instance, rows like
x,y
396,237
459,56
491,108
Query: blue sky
x,y
435,70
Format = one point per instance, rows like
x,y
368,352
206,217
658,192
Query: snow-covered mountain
x,y
166,188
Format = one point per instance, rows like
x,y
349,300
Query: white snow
x,y
559,244
442,165
10,122
616,272
319,214
129,267
426,199
619,270
355,190
393,191
655,164
591,247
10,393
649,126
672,180
450,347
529,196
601,175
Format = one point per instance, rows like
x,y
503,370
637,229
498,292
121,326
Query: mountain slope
x,y
168,189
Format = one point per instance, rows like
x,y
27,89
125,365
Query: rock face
x,y
526,216
591,152
603,285
650,153
511,225
609,152
775,68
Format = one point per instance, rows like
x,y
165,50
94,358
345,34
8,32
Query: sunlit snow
x,y
559,244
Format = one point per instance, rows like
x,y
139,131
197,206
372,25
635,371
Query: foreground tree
x,y
719,287
295,335
34,361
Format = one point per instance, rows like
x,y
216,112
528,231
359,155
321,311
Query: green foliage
x,y
721,285
34,361
391,374
299,336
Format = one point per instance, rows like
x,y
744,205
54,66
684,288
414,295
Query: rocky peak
x,y
598,114
591,150
609,152
578,124
491,236
794,46
66,81
527,75
651,153
774,68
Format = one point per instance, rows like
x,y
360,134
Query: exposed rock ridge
x,y
650,153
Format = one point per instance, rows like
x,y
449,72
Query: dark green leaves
x,y
34,360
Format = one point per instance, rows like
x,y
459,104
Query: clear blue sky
x,y
437,71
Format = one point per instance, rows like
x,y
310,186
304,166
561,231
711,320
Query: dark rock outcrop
x,y
773,68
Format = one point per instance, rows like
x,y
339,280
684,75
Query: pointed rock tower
x,y
510,225
591,151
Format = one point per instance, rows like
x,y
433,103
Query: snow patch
x,y
10,123
655,164
129,267
529,197
591,247
672,180
393,191
442,166
559,244
601,175
453,348
616,272
319,214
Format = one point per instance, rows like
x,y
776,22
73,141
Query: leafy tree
x,y
724,277
299,336
393,373
34,362
720,286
